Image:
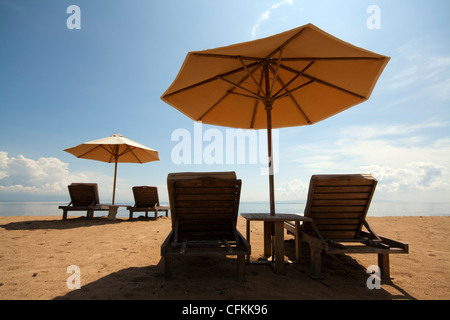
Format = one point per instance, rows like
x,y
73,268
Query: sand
x,y
121,260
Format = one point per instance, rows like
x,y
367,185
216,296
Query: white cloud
x,y
415,65
407,161
266,15
42,176
22,178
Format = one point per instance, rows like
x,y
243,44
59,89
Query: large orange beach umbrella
x,y
298,77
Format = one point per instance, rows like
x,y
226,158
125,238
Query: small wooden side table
x,y
278,221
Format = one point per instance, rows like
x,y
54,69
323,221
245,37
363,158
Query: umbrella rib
x,y
323,82
255,108
294,78
255,95
330,58
285,43
288,92
226,94
226,56
251,75
90,150
134,154
209,80
276,72
294,100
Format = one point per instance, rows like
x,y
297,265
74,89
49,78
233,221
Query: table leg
x,y
267,239
279,247
248,238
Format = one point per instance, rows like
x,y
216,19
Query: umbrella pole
x,y
268,102
114,187
269,147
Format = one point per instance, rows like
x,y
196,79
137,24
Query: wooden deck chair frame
x,y
204,209
338,205
146,200
84,197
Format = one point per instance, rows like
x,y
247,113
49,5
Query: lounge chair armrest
x,y
389,242
314,242
243,241
166,243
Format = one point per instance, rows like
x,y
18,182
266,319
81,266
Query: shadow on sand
x,y
70,223
211,278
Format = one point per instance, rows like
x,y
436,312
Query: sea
x,y
377,208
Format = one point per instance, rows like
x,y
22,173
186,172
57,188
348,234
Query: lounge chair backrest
x,y
145,196
204,206
83,194
338,204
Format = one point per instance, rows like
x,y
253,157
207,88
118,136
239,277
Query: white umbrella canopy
x,y
114,149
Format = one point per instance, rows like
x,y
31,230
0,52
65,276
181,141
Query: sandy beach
x,y
121,260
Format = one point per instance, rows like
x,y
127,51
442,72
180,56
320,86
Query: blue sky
x,y
61,87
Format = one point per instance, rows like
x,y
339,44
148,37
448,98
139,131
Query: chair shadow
x,y
344,270
215,278
70,223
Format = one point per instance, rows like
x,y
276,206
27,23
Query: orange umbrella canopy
x,y
307,74
114,149
298,77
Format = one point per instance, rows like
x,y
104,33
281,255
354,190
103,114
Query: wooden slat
x,y
194,190
201,216
204,210
206,197
319,222
337,234
337,209
343,196
352,189
209,183
344,182
345,202
334,215
334,227
205,204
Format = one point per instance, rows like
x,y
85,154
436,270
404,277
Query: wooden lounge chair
x,y
338,205
84,197
204,210
146,199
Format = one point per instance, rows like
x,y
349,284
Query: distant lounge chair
x,y
146,199
338,205
84,197
204,210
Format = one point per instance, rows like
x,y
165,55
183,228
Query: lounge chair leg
x,y
168,261
131,215
316,264
383,264
297,238
241,267
64,217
